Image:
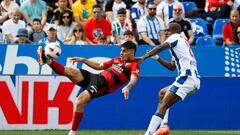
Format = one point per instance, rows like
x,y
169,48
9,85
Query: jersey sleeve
x,y
160,8
108,64
225,32
134,14
135,70
141,26
172,40
108,28
114,28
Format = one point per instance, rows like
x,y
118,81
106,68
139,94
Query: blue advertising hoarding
x,y
215,106
212,61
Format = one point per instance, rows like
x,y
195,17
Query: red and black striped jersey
x,y
118,72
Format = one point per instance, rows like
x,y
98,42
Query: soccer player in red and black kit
x,y
117,72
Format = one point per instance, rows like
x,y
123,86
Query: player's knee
x,y
80,103
161,94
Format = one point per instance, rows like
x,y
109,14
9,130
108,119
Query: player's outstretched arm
x,y
92,64
156,50
128,87
169,65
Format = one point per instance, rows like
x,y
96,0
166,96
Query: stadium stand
x,y
188,6
217,30
199,27
207,40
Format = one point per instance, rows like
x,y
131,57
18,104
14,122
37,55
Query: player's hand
x,y
125,92
76,59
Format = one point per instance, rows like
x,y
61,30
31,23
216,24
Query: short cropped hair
x,y
96,6
122,11
151,3
129,45
128,32
36,20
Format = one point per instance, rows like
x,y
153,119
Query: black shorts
x,y
95,84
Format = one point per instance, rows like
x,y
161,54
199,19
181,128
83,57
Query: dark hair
x,y
60,19
128,32
151,3
129,45
175,27
96,6
36,20
122,11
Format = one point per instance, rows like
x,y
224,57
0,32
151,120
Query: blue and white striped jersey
x,y
137,12
182,54
151,27
165,10
45,41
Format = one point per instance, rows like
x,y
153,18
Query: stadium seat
x,y
199,27
217,30
207,40
188,6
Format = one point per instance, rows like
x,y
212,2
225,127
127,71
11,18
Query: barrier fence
x,y
33,97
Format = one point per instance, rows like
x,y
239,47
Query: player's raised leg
x,y
75,76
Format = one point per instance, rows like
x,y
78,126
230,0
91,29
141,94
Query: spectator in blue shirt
x,y
51,36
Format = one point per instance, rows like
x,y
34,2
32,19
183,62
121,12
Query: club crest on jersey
x,y
118,67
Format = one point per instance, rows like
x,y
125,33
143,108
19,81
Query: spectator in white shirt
x,y
165,9
150,27
5,9
11,26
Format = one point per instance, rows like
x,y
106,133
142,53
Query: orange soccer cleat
x,y
162,131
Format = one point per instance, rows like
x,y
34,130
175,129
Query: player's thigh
x,y
73,74
83,98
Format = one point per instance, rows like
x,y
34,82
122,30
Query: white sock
x,y
165,119
154,124
72,132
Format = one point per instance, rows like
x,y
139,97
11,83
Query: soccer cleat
x,y
162,131
42,59
40,55
72,132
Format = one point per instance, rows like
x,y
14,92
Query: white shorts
x,y
185,85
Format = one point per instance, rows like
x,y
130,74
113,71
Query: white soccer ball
x,y
52,50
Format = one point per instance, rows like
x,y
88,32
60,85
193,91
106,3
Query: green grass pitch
x,y
120,132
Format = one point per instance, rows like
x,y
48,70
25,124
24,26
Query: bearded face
x,y
152,10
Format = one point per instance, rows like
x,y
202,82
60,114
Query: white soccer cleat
x,y
72,132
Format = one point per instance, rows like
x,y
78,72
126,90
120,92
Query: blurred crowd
x,y
113,22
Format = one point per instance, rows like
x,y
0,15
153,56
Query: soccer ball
x,y
52,50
